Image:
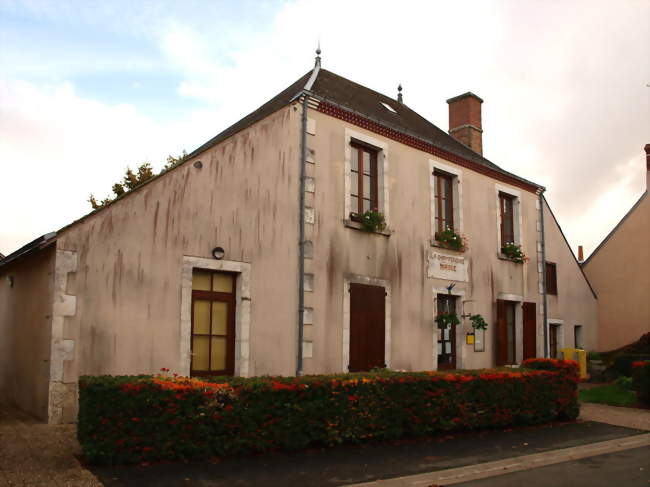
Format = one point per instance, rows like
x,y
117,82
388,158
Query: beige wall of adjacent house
x,y
402,258
620,274
25,330
131,257
575,303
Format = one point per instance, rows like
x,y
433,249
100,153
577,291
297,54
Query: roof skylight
x,y
388,107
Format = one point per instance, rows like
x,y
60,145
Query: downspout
x,y
541,218
301,234
301,210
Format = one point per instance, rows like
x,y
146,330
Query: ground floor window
x,y
577,336
213,323
446,336
554,332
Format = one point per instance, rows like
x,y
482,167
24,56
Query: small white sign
x,y
447,266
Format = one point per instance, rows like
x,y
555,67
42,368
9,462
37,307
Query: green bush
x,y
623,363
641,381
134,419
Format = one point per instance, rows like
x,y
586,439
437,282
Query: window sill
x,y
386,232
434,243
503,257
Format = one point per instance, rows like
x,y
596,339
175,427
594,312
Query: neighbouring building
x,y
619,270
251,258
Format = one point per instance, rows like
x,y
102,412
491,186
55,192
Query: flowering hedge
x,y
641,381
144,418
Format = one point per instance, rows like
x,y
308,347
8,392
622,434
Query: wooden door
x,y
530,330
501,332
447,336
213,323
505,347
367,327
553,329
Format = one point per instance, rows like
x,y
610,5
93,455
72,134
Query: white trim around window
x,y
517,218
457,194
382,172
560,335
370,281
242,311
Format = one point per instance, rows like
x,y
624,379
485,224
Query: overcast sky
x,y
89,87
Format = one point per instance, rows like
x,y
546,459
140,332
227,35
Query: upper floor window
x,y
364,193
444,201
551,278
507,218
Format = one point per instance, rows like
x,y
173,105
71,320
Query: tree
x,y
133,179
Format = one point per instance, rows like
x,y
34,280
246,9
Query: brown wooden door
x,y
553,329
501,334
505,346
367,327
530,330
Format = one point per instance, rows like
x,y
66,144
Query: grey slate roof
x,y
358,99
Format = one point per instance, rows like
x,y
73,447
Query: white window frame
x,y
516,218
370,281
382,172
457,195
242,311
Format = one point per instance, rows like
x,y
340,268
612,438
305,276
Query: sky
x,y
88,88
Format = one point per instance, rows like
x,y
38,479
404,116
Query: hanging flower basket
x,y
444,320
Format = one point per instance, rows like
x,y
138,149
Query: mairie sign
x,y
447,266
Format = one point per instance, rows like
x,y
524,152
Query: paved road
x,y
630,468
355,464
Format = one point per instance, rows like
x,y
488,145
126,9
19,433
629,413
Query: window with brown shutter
x,y
364,194
551,278
506,214
444,201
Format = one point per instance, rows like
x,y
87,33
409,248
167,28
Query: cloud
x,y
58,147
564,86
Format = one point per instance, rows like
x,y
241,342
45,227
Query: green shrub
x,y
134,419
623,363
594,356
624,382
641,381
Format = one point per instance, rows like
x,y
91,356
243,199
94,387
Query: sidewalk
x,y
36,454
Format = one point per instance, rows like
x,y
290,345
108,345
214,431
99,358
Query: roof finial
x,y
399,93
318,54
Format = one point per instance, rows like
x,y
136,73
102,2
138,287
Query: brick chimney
x,y
465,120
581,255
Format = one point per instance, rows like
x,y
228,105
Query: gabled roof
x,y
367,103
611,234
352,97
557,223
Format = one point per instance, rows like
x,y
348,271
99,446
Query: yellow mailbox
x,y
570,354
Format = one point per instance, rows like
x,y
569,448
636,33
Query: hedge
x,y
641,381
623,363
143,418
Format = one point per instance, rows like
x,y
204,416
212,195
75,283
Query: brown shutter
x,y
367,327
501,331
530,330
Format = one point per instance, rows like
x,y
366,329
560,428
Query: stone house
x,y
619,270
251,258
